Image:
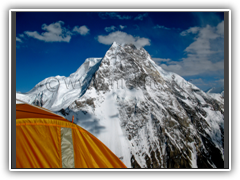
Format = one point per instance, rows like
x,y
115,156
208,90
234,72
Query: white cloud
x,y
198,82
55,28
201,83
83,30
220,82
220,28
18,39
206,85
111,28
21,35
48,37
208,32
192,30
161,27
113,15
204,55
54,33
159,60
123,38
122,27
141,16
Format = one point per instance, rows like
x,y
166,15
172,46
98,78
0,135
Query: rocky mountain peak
x,y
148,117
167,121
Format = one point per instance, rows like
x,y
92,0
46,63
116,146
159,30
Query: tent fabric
x,y
29,111
47,140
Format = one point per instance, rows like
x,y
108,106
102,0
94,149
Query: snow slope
x,y
55,93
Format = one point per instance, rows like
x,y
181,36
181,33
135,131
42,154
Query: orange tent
x,y
47,140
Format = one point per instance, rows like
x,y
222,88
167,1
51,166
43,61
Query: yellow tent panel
x,y
46,140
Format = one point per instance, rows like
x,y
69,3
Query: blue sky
x,y
190,44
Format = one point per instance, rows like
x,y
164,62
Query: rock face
x,y
148,117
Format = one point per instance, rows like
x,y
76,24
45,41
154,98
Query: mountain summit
x,y
148,117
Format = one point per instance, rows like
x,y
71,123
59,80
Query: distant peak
x,y
115,43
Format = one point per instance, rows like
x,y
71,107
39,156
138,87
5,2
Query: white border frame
x,y
118,10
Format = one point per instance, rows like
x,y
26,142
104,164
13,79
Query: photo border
x,y
227,85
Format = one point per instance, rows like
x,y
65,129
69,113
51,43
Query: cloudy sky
x,y
190,44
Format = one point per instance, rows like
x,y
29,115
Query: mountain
x,y
215,90
216,93
148,117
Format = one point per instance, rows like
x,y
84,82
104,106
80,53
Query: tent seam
x,y
39,124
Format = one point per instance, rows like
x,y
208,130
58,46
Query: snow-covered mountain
x,y
215,90
216,93
148,117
